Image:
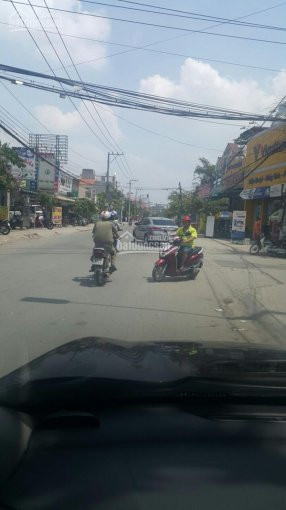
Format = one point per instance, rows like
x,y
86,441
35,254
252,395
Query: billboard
x,y
64,183
266,158
47,172
28,172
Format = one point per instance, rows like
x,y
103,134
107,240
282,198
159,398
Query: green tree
x,y
84,208
206,172
46,200
8,157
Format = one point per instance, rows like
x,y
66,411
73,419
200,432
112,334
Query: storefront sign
x,y
247,194
204,191
57,215
265,158
238,224
231,165
47,170
276,191
65,183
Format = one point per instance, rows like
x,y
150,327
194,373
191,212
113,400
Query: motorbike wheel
x,y
254,249
193,274
5,230
99,278
50,225
158,273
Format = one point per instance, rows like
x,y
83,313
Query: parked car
x,y
154,229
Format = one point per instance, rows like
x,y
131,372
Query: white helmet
x,y
105,215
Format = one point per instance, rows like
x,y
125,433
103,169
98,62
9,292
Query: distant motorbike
x,y
5,227
262,245
101,262
169,262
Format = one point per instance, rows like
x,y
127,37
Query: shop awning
x,y
64,199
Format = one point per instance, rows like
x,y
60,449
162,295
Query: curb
x,y
45,234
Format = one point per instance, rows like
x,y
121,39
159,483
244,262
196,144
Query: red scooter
x,y
169,262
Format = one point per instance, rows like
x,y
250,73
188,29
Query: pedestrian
x,y
256,231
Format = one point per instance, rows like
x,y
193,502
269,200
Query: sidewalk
x,y
234,246
40,233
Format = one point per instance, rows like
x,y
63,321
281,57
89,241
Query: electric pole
x,y
180,199
115,154
129,195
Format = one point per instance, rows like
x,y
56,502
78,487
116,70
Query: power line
x,y
129,99
146,49
41,123
165,11
77,72
155,25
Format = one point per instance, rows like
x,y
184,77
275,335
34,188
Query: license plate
x,y
99,262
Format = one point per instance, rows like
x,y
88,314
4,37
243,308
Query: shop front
x,y
265,179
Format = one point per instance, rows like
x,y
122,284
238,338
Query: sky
x,y
160,151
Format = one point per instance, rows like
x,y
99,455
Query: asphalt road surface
x,y
48,298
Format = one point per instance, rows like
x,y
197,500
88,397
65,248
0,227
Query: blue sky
x,y
154,160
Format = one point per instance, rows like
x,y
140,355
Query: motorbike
x,y
101,262
263,245
16,222
4,227
169,262
44,224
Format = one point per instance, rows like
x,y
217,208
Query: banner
x,y
238,225
47,172
57,215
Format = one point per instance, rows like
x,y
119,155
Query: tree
x,y
84,208
46,200
206,172
8,157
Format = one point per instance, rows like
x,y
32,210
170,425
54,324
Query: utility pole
x,y
115,154
180,199
129,195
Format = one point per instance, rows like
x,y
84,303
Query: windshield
x,y
169,223
121,122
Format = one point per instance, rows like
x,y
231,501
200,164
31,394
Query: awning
x,y
65,199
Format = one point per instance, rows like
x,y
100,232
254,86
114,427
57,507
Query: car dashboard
x,y
144,457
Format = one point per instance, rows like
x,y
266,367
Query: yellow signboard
x,y
57,215
265,163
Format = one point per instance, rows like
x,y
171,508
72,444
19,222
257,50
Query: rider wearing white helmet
x,y
103,235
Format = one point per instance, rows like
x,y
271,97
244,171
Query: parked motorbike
x,y
4,227
101,262
169,262
44,224
262,245
16,222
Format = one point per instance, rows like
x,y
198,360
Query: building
x,y
264,184
97,181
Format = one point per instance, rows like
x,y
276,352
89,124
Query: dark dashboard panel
x,y
150,458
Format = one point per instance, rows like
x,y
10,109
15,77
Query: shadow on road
x,y
86,281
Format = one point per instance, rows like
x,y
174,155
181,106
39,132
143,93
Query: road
x,y
48,298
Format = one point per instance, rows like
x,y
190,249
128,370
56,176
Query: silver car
x,y
154,229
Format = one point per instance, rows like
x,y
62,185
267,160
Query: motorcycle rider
x,y
187,234
104,233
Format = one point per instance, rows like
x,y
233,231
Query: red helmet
x,y
186,218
